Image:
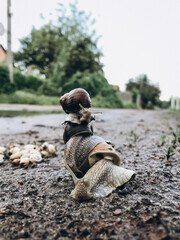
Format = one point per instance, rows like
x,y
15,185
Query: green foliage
x,y
66,47
33,82
67,54
129,105
176,136
22,97
76,25
170,152
9,114
26,81
49,88
41,48
149,93
109,101
81,58
91,82
134,135
164,104
5,85
163,140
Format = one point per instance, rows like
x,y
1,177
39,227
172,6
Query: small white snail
x,y
15,150
30,153
2,150
16,155
47,149
35,157
1,158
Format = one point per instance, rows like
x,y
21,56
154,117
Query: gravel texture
x,y
35,202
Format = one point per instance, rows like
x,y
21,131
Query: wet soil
x,y
35,202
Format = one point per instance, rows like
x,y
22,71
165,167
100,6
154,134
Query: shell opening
x,y
93,157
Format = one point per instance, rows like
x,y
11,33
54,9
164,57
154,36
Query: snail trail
x,y
87,156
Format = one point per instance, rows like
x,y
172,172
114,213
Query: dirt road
x,y
35,202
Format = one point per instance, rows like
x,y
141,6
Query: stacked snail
x,y
92,162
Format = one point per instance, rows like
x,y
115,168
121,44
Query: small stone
x,y
118,220
2,150
1,158
117,212
16,161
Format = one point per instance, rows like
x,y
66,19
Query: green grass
x,y
175,114
129,105
26,113
22,97
106,102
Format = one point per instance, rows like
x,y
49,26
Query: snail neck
x,y
75,179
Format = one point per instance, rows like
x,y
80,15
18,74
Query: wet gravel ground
x,y
35,202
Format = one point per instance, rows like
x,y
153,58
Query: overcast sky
x,y
138,36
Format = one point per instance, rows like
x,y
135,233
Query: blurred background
x,y
125,53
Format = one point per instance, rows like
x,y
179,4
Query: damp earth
x,y
35,202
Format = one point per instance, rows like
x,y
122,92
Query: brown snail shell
x,y
77,150
103,150
70,101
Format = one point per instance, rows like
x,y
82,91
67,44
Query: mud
x,y
35,202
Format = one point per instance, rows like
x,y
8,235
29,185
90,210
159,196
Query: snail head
x,y
86,114
82,190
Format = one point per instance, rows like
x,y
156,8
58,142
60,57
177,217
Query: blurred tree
x,y
149,93
82,54
65,48
82,58
67,54
5,85
41,48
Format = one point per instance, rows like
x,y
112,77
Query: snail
x,y
70,101
1,158
92,162
98,165
100,180
2,150
47,149
79,123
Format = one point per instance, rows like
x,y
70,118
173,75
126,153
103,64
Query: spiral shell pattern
x,y
77,150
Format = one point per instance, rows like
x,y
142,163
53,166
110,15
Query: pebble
x,y
117,212
2,150
1,158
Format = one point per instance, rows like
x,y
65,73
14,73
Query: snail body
x,y
98,165
100,180
2,150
